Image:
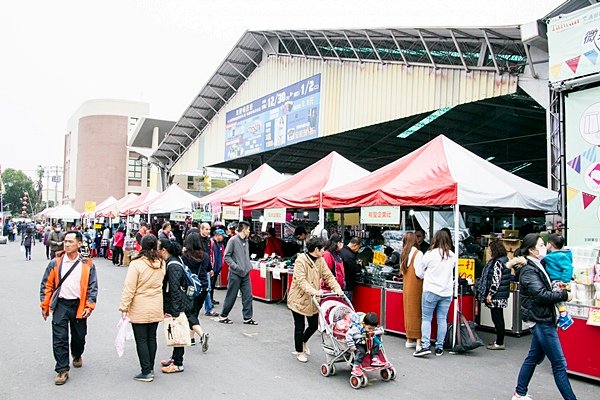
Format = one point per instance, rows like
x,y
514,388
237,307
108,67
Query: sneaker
x,y
204,341
216,302
306,349
421,352
166,363
301,357
61,378
171,369
517,397
495,346
77,362
144,377
212,314
567,322
357,370
376,362
410,345
439,352
193,341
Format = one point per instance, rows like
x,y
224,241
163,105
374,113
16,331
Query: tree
x,y
15,184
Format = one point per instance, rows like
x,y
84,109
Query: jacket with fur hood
x,y
142,296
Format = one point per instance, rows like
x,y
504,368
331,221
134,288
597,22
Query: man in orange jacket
x,y
69,289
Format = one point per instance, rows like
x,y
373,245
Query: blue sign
x,y
288,116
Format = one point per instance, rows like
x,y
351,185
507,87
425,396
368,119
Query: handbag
x,y
177,331
466,337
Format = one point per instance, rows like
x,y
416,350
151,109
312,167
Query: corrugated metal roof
x,y
497,49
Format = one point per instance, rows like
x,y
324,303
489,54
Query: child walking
x,y
559,267
364,326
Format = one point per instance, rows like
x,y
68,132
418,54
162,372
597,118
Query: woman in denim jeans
x,y
436,269
538,311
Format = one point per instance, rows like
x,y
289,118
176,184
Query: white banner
x,y
177,217
382,215
231,213
574,44
275,215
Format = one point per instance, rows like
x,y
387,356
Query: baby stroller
x,y
332,308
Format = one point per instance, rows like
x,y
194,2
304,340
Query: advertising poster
x,y
582,125
574,44
282,118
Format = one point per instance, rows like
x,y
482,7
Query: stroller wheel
x,y
325,370
332,369
355,381
364,381
393,371
386,374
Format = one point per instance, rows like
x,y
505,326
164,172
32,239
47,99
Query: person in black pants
x,y
142,303
494,290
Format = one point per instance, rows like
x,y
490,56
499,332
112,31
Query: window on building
x,y
134,169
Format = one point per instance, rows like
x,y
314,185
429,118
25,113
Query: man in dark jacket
x,y
237,256
56,240
348,254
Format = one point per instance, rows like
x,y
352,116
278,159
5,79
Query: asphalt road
x,y
243,362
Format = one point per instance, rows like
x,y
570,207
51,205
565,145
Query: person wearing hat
x,y
217,254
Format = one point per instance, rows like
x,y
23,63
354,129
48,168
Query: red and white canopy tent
x,y
141,203
260,179
114,210
442,173
107,202
304,189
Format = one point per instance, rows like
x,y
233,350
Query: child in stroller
x,y
346,337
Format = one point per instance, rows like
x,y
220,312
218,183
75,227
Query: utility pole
x,y
47,186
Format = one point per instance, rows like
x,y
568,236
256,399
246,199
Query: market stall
x,y
442,174
112,210
64,212
301,191
135,207
172,200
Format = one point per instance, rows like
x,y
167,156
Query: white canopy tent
x,y
174,199
64,212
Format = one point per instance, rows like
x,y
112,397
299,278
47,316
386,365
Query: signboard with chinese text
x,y
197,215
231,213
282,118
466,269
383,215
574,44
89,207
275,215
594,316
178,217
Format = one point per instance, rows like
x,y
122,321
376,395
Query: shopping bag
x,y
466,337
22,248
124,333
177,331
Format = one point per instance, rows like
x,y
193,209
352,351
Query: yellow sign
x,y
466,269
89,207
379,258
594,316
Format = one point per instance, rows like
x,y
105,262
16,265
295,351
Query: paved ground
x,y
243,362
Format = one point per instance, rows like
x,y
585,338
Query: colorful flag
x,y
590,154
575,164
571,193
573,63
587,199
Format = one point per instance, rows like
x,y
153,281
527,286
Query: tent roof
x,y
260,179
113,210
303,189
174,199
64,212
442,173
137,206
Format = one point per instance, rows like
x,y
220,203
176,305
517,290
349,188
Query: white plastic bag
x,y
22,248
124,332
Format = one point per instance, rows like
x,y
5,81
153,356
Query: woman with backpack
x,y
175,299
493,290
142,303
198,261
27,240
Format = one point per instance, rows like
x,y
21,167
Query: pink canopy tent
x,y
144,199
256,181
113,210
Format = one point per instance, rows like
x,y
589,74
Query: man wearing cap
x,y
217,254
56,240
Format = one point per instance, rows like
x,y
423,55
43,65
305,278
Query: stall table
x,y
268,288
580,344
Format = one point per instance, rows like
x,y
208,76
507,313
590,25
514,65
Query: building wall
x,y
353,95
95,158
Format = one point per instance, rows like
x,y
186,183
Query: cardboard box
x,y
510,233
511,245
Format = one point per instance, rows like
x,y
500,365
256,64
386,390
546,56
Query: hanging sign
x,y
231,213
384,215
178,217
215,207
89,207
466,269
275,215
594,316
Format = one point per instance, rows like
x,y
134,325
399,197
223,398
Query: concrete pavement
x,y
243,362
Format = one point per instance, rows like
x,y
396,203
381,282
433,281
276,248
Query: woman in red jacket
x,y
333,259
119,241
273,244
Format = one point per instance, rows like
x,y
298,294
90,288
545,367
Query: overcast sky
x,y
57,54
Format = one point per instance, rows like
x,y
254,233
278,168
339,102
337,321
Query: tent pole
x,y
430,226
321,214
513,220
456,235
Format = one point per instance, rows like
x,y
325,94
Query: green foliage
x,y
15,183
